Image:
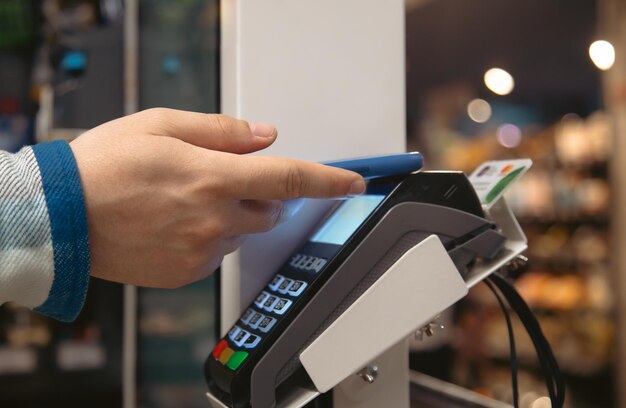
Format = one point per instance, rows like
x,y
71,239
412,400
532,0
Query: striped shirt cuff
x,y
68,227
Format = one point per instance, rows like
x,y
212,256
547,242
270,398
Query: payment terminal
x,y
349,250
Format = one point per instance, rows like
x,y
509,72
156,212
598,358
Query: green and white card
x,y
491,179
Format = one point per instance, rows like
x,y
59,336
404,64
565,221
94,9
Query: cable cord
x,y
549,366
512,348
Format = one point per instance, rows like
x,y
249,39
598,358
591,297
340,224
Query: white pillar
x,y
330,75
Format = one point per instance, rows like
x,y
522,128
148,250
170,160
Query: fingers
x,y
252,216
210,131
270,178
231,244
208,269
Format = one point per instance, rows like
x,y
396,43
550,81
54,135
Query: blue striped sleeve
x,y
68,226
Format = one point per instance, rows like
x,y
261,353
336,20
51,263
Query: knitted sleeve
x,y
44,248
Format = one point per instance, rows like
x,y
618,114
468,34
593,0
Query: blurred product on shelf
x,y
581,142
17,26
84,351
26,329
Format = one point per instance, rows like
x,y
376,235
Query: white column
x,y
330,75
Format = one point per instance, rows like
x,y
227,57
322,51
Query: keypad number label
x,y
307,263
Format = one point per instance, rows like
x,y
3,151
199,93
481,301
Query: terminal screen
x,y
347,219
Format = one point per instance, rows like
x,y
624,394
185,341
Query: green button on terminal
x,y
236,359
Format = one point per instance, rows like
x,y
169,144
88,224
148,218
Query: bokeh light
x,y
602,54
499,81
509,135
479,110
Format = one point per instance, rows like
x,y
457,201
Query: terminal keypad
x,y
255,323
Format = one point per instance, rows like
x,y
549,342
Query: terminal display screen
x,y
347,219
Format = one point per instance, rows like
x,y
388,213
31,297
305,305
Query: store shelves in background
x,y
44,362
562,204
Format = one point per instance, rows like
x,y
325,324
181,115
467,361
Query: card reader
x,y
355,244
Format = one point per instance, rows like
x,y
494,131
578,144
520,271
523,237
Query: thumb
x,y
210,131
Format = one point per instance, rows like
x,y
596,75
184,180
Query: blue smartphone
x,y
382,166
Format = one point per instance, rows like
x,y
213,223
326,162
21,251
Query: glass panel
x,y
179,68
179,54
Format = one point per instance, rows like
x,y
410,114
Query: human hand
x,y
168,192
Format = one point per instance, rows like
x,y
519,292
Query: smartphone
x,y
382,166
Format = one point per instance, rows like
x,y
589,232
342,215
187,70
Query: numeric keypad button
x,y
278,279
241,337
270,302
261,299
251,341
245,318
281,306
296,288
266,324
255,320
284,286
234,332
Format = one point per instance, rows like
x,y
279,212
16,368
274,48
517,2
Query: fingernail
x,y
357,187
263,130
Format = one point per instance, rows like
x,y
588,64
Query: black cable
x,y
546,367
549,366
512,348
543,348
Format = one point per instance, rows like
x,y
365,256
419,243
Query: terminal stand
x,y
350,342
372,329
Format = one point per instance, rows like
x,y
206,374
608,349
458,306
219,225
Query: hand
x,y
168,193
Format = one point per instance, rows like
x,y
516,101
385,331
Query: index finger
x,y
274,178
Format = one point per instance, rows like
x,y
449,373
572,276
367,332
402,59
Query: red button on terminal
x,y
219,348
